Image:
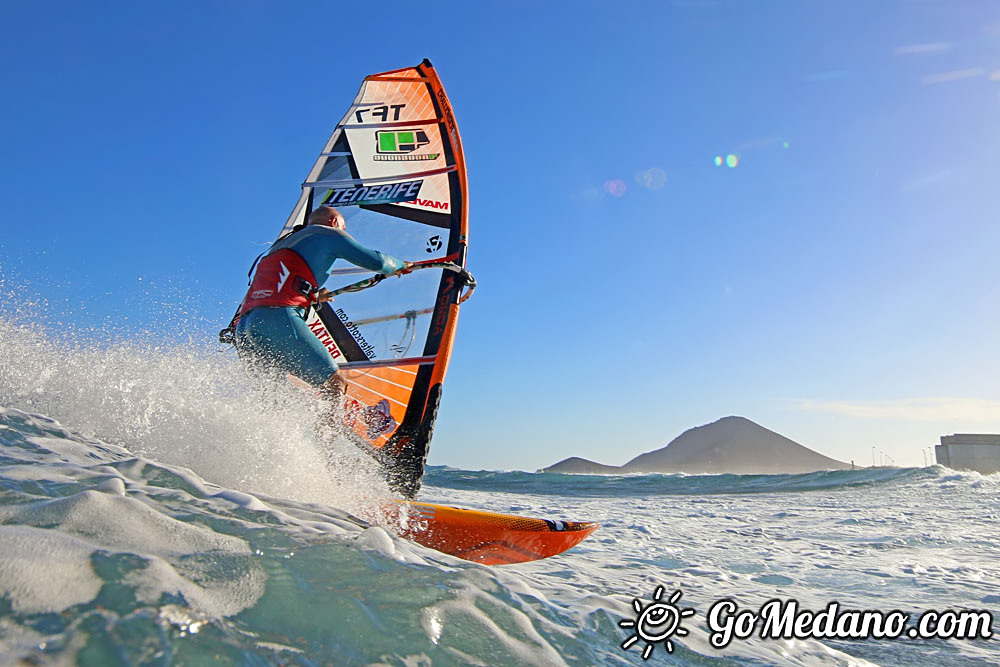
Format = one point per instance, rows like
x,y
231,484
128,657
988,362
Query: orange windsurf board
x,y
490,538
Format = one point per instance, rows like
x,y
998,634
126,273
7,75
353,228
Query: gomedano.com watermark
x,y
661,620
784,619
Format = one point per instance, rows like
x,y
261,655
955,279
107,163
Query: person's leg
x,y
334,390
279,337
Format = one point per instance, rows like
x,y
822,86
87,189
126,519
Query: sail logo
x,y
374,194
380,112
399,146
429,203
352,329
449,116
324,337
441,318
376,419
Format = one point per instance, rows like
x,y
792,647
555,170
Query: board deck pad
x,y
484,537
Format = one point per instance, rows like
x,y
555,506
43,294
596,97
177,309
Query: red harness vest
x,y
282,279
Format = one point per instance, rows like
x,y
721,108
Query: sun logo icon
x,y
656,623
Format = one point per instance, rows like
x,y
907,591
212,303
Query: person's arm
x,y
323,294
366,258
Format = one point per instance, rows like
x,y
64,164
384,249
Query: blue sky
x,y
838,284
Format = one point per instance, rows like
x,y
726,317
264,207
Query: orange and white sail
x,y
394,167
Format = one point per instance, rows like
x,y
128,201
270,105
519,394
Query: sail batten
x,y
368,126
400,363
376,77
383,179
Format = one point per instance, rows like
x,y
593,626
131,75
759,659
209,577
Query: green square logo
x,y
387,142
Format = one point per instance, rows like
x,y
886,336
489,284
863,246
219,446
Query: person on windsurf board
x,y
270,324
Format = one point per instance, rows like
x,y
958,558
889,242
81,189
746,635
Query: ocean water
x,y
152,513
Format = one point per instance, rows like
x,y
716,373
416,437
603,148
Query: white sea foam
x,y
205,555
45,570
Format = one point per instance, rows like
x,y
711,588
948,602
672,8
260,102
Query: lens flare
x,y
615,187
653,178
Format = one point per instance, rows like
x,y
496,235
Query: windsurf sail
x,y
394,167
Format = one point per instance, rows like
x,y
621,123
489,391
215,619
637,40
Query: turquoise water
x,y
162,522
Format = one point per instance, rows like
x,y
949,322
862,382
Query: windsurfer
x,y
271,321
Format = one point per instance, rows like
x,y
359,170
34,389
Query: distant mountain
x,y
730,445
584,467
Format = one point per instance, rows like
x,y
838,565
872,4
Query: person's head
x,y
327,215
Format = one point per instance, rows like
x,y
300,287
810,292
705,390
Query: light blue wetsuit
x,y
278,334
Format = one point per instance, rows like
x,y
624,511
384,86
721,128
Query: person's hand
x,y
406,269
323,295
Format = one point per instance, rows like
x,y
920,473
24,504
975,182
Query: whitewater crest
x,y
185,404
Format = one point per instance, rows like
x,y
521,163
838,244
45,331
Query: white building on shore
x,y
969,451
